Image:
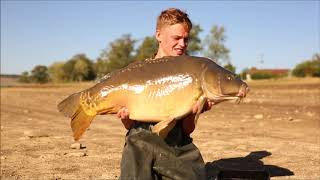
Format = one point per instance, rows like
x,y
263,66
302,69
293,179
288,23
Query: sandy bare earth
x,y
276,128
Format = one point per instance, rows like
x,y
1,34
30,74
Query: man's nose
x,y
182,43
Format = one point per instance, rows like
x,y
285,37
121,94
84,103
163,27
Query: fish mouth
x,y
217,99
237,96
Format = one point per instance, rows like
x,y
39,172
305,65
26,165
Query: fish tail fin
x,y
80,121
70,105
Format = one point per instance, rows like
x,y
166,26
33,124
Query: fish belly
x,y
163,102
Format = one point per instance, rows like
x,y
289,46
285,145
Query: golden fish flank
x,y
172,83
89,103
137,89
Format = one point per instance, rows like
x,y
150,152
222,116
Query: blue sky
x,y
42,32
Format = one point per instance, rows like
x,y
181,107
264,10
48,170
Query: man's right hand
x,y
123,114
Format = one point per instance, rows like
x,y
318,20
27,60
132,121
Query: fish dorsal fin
x,y
134,65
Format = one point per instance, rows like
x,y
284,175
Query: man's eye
x,y
229,78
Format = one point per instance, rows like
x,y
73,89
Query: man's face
x,y
173,39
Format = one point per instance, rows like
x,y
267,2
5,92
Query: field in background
x,y
275,128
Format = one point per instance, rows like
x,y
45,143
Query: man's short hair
x,y
173,16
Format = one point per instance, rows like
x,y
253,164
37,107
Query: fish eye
x,y
229,77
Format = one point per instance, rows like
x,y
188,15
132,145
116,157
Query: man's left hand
x,y
188,122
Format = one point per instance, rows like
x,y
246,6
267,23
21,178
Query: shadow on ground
x,y
251,162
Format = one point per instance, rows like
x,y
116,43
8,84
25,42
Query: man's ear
x,y
158,35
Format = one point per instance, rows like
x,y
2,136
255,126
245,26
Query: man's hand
x,y
188,122
207,106
123,114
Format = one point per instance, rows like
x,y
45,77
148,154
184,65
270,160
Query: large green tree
x,y
101,67
57,73
79,68
68,69
39,74
83,68
147,49
194,43
214,44
117,55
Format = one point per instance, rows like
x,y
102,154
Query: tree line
x,y
122,52
308,68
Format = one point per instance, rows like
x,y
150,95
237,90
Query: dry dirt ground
x,y
276,128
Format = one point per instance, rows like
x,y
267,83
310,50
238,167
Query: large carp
x,y
162,90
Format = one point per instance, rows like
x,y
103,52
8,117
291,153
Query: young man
x,y
146,155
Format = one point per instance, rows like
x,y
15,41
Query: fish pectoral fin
x,y
202,100
80,121
162,128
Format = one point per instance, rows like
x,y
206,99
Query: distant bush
x,y
309,68
56,72
39,74
261,76
264,73
243,74
78,68
267,76
230,67
25,78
